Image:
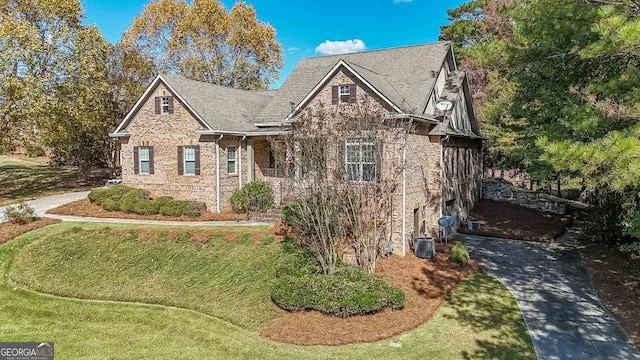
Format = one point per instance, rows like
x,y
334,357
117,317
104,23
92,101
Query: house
x,y
195,140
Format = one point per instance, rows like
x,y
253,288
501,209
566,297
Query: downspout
x,y
240,161
446,138
404,196
218,173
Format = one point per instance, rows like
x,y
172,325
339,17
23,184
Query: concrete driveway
x,y
565,317
44,204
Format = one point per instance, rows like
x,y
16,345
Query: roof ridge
x,y
165,75
360,66
383,49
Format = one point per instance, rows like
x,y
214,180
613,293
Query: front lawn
x,y
24,180
226,278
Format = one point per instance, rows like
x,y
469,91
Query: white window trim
x,y
184,161
235,160
360,144
140,172
162,105
340,94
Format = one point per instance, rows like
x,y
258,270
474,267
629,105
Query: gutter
x,y
218,173
271,124
242,133
404,196
118,135
416,118
240,162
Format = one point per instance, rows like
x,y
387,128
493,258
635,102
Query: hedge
x,y
135,201
346,292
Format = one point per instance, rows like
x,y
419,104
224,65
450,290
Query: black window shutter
x,y
352,93
151,167
379,158
157,99
197,151
334,95
136,160
170,104
180,160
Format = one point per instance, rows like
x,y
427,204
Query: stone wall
x,y
502,190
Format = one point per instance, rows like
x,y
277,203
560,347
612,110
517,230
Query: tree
x,y
77,130
34,39
565,102
203,41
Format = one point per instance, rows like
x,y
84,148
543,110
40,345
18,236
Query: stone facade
x,y
165,133
424,177
502,190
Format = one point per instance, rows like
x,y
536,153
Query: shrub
x,y
135,201
459,254
290,213
34,151
346,292
20,214
256,195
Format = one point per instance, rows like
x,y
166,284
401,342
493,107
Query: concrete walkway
x,y
44,204
155,222
565,317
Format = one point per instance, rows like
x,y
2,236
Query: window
x,y
164,101
231,160
143,154
344,93
360,160
189,160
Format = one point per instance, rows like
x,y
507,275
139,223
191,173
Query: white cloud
x,y
292,49
340,47
402,1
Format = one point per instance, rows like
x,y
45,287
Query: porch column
x,y
250,161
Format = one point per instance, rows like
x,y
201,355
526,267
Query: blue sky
x,y
303,25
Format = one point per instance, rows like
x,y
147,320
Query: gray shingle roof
x,y
221,107
405,75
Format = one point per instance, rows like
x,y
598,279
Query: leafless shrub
x,y
334,159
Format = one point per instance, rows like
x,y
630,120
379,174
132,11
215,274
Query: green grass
x,y
230,280
24,180
481,320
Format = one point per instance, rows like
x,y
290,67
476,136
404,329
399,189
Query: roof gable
x,y
215,107
405,75
341,65
146,95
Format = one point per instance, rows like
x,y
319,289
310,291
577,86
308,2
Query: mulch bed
x,y
510,221
426,285
9,231
616,278
86,208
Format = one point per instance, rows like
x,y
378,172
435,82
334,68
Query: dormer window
x,y
165,104
345,93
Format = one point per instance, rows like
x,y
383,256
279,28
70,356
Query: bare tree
x,y
344,164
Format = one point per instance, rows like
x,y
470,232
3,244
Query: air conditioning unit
x,y
473,225
425,247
